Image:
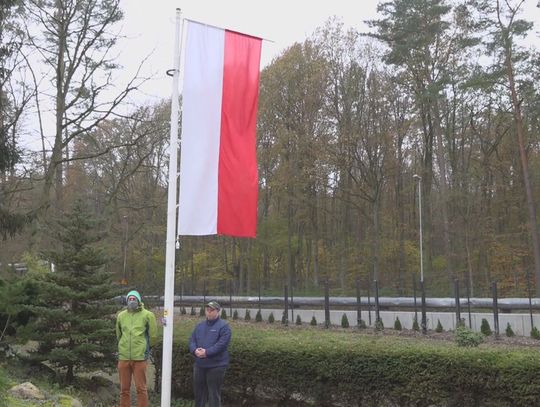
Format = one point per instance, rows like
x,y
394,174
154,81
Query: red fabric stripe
x,y
238,178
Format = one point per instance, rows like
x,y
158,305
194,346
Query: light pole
x,y
424,317
419,179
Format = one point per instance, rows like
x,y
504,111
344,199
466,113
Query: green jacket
x,y
136,333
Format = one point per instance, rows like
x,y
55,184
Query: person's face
x,y
132,303
211,313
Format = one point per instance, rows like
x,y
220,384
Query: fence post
x,y
414,296
326,305
286,302
469,302
377,313
424,317
458,305
495,308
358,305
369,302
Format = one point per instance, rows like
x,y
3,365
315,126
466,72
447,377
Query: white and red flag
x,y
218,167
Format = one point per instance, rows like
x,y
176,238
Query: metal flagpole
x,y
168,309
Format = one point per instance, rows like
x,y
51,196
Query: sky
x,y
150,29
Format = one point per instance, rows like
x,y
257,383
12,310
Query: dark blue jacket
x,y
214,336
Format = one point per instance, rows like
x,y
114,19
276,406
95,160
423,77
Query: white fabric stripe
x,y
201,126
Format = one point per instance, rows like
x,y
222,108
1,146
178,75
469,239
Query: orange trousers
x,y
136,369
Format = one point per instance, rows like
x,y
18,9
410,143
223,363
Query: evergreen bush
x,y
201,312
397,324
183,311
298,320
258,316
535,334
485,328
509,330
362,324
466,337
247,316
271,318
344,321
379,326
192,312
284,318
415,325
223,314
235,315
439,327
313,321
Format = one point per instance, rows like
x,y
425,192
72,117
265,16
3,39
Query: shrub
x,y
509,331
534,333
192,312
344,321
397,324
284,318
247,316
235,315
485,328
223,314
313,321
271,318
461,322
298,320
379,326
362,324
258,316
439,328
415,325
183,311
201,312
465,337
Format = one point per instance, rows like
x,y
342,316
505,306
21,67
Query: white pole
x,y
168,308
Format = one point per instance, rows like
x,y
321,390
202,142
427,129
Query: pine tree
x,y
344,321
73,324
298,320
271,318
235,315
397,324
223,314
439,327
313,321
247,316
258,316
415,325
509,330
485,328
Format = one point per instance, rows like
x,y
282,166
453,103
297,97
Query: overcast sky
x,y
149,27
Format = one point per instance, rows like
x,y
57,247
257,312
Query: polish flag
x,y
218,168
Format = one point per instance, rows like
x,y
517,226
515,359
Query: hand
x,y
200,353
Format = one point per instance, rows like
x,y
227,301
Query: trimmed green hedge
x,y
369,370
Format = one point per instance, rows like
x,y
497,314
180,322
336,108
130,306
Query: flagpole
x,y
168,308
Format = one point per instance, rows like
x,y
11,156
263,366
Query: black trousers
x,y
207,385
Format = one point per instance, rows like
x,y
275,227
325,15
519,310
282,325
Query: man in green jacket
x,y
136,331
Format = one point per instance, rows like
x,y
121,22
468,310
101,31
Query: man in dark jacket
x,y
208,343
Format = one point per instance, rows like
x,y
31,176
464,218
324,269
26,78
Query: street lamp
x,y
419,179
424,316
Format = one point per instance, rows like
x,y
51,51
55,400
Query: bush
x,y
509,331
465,337
284,318
192,312
313,321
397,324
344,321
379,326
235,315
534,333
415,325
439,328
362,324
183,311
298,320
201,312
258,316
271,318
223,314
247,316
485,328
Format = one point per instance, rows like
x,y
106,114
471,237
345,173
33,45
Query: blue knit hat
x,y
135,294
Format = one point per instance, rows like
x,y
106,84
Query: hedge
x,y
326,368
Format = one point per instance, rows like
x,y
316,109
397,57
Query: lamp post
x,y
424,317
419,179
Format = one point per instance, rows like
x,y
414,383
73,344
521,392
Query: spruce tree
x,y
74,318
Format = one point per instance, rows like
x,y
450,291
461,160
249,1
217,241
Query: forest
x,y
436,106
